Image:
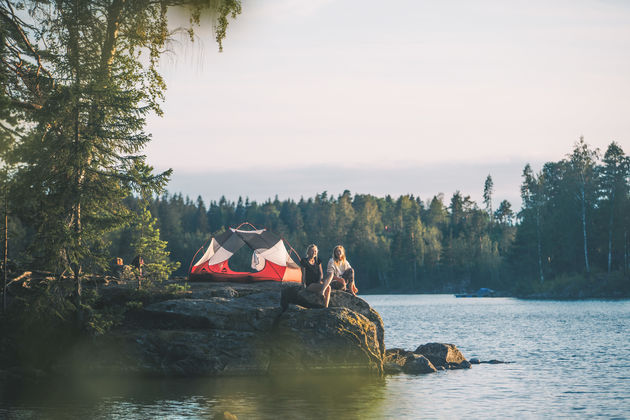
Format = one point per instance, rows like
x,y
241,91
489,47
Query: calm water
x,y
569,359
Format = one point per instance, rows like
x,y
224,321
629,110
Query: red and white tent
x,y
270,258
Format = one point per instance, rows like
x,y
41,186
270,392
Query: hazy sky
x,y
392,97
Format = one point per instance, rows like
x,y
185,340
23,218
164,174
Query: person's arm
x,y
321,272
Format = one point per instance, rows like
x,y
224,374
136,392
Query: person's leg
x,y
348,276
320,289
328,279
326,296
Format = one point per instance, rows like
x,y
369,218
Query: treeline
x,y
393,243
574,222
575,218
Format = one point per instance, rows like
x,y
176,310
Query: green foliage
x,y
177,288
147,243
134,305
98,322
78,81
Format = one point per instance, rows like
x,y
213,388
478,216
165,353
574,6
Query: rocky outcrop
x,y
227,329
427,358
325,339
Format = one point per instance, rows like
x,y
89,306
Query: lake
x,y
567,359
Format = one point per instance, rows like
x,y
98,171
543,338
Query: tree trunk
x,y
539,246
6,250
583,200
625,252
610,228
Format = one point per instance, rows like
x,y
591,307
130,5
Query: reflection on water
x,y
569,359
311,396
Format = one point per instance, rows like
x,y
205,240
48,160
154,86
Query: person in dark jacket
x,y
312,274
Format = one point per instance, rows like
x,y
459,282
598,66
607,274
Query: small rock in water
x,y
441,354
418,364
474,361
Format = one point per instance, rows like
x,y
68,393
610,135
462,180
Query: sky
x,y
400,97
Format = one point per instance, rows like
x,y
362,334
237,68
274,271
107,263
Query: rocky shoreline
x,y
236,329
227,329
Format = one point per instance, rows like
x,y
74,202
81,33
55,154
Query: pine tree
x,y
148,245
613,188
77,73
488,189
581,163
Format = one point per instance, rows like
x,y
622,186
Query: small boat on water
x,y
483,292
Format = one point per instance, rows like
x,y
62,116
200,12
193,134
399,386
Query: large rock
x,y
253,312
443,355
232,329
170,353
329,339
339,299
310,299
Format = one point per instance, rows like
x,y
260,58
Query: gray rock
x,y
397,355
339,299
310,299
398,360
232,329
474,361
446,355
391,368
417,364
329,339
254,312
170,353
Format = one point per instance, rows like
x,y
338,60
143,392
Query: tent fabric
x,y
270,258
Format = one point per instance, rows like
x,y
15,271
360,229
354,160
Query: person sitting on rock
x,y
312,274
339,273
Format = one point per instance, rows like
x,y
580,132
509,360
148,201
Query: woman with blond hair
x,y
339,273
312,275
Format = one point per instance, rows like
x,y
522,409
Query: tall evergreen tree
x,y
582,163
77,71
488,190
533,201
613,188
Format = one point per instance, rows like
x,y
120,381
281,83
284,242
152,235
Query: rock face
x,y
323,339
227,329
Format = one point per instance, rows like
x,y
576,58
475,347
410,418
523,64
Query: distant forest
x,y
575,220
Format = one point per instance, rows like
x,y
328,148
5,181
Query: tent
x,y
270,258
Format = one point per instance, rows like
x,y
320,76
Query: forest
x,y
573,225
